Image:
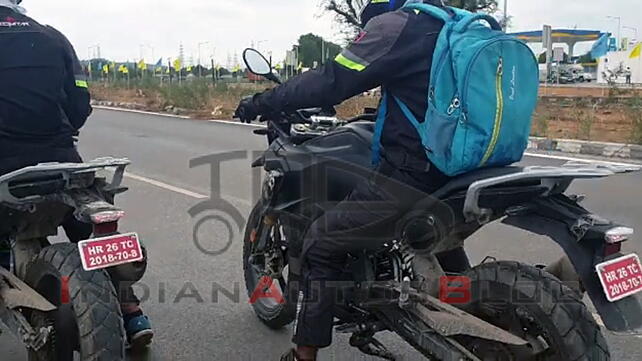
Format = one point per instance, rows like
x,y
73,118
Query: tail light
x,y
107,217
614,238
618,234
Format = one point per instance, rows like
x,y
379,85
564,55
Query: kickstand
x,y
371,346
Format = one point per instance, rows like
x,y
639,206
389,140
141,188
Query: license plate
x,y
621,277
110,251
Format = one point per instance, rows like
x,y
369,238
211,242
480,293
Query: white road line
x,y
560,157
183,191
140,112
166,186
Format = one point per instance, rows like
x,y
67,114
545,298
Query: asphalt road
x,y
196,301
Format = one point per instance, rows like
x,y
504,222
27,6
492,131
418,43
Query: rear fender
x,y
554,217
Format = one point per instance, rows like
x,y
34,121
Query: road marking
x,y
140,112
573,159
183,191
166,186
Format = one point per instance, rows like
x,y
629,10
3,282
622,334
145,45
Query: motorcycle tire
x,y
273,315
88,322
544,307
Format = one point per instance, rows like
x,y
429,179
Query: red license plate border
x,y
599,268
133,235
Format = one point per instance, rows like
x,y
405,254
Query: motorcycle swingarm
x,y
16,295
549,219
448,320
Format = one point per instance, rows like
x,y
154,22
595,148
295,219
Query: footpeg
x,y
371,346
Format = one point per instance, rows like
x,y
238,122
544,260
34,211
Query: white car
x,y
585,77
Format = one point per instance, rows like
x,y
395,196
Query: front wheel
x,y
536,306
87,324
270,295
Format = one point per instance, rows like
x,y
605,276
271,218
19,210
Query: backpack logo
x,y
512,83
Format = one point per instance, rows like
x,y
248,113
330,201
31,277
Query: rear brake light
x,y
107,217
105,228
618,234
612,248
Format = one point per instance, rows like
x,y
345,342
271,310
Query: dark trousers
x,y
75,230
364,220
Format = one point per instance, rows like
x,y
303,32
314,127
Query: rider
x,y
44,101
395,51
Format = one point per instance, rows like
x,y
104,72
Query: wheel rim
x,y
265,292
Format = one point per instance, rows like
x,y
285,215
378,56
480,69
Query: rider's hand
x,y
247,110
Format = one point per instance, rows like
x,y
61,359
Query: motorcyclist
x,y
395,51
44,102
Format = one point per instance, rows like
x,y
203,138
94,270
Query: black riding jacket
x,y
395,51
44,99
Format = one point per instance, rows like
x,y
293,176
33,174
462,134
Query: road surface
x,y
196,301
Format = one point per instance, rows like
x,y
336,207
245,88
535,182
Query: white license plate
x,y
110,251
620,277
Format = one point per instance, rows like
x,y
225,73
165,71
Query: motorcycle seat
x,y
464,181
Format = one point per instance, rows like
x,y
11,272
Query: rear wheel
x,y
87,324
536,306
265,272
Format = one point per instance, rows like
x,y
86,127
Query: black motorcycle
x,y
502,310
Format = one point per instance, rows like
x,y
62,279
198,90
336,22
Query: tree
x,y
346,12
311,47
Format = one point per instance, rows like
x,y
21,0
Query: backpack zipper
x,y
499,115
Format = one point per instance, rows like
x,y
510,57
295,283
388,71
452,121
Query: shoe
x,y
139,331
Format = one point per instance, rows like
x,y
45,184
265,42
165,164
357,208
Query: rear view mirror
x,y
256,62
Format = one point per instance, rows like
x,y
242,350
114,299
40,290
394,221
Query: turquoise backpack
x,y
482,95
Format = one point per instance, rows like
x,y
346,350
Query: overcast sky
x,y
121,26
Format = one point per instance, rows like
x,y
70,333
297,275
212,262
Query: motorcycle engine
x,y
394,262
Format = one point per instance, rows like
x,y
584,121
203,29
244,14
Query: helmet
x,y
372,8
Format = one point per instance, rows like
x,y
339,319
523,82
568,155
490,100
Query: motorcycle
x,y
502,310
59,299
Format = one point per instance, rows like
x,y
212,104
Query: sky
x,y
127,29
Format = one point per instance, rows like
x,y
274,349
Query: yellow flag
x,y
142,65
106,69
236,69
177,64
637,51
189,68
300,67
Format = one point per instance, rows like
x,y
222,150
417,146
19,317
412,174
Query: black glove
x,y
247,110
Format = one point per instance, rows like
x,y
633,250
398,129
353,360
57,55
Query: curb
x,y
600,149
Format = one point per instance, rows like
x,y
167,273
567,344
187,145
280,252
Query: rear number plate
x,y
620,277
110,251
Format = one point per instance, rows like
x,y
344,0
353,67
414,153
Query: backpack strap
x,y
432,10
378,133
469,20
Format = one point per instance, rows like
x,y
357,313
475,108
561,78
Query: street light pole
x,y
200,67
505,16
619,29
635,30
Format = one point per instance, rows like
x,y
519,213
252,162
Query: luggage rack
x,y
556,179
63,171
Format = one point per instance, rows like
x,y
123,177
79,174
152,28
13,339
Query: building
x,y
615,65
